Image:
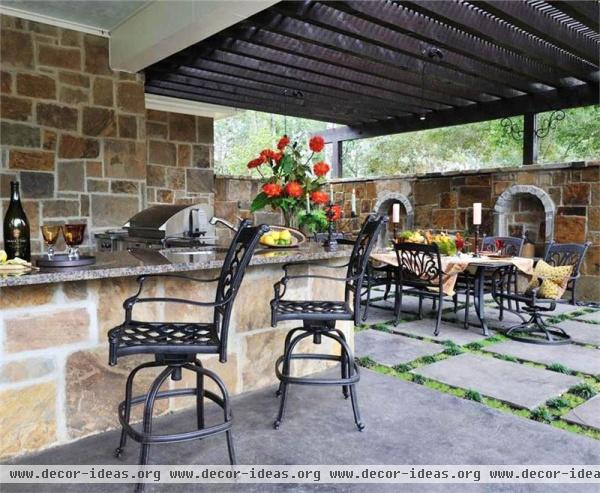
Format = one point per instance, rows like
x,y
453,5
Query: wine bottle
x,y
16,227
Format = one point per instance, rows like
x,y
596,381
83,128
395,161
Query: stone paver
x,y
448,331
578,358
587,414
514,383
391,349
582,332
593,317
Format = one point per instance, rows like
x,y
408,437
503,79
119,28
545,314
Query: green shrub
x,y
583,390
403,368
420,379
366,361
473,395
557,402
427,360
542,414
475,345
557,367
453,350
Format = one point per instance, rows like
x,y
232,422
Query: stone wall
x,y
77,135
180,158
56,384
444,201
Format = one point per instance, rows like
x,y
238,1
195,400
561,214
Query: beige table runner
x,y
454,265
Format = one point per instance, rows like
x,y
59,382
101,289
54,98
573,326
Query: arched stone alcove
x,y
505,207
383,205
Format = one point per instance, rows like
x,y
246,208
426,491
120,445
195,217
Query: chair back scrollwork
x,y
504,245
566,254
232,272
420,266
359,258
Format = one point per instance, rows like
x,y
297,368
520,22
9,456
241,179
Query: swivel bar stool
x,y
175,347
319,320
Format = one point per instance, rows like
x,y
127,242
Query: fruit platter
x,y
282,237
447,244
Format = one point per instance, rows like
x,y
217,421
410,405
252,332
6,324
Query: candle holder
x,y
476,247
331,243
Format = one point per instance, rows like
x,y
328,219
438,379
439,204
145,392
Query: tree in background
x,y
471,146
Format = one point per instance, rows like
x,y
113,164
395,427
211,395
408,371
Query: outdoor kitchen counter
x,y
55,381
143,261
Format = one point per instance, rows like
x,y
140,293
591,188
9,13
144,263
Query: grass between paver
x,y
552,412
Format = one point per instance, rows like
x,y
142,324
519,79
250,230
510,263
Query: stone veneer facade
x,y
78,137
445,201
56,385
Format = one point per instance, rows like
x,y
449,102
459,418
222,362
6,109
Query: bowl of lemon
x,y
282,237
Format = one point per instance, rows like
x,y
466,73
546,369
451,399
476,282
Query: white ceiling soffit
x,y
162,28
175,105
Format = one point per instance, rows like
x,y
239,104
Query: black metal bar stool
x,y
175,347
319,320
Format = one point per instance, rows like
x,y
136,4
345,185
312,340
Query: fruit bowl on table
x,y
282,237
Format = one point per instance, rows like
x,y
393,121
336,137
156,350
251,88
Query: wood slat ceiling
x,y
376,65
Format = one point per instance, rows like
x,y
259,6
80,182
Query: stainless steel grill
x,y
162,226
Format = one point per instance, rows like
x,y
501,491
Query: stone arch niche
x,y
528,208
383,205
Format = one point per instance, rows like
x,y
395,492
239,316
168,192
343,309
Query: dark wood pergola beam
x,y
348,66
466,18
562,98
525,16
271,93
385,62
398,17
503,83
405,50
587,12
177,91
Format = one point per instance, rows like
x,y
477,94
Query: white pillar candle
x,y
307,203
477,213
331,194
396,213
353,201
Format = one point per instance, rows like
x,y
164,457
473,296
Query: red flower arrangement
x,y
288,177
335,211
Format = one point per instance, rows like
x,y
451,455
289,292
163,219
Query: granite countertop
x,y
143,261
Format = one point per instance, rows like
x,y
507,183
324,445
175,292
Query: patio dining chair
x,y
319,320
175,347
559,254
377,275
420,274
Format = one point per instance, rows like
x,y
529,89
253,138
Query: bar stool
x,y
175,347
319,320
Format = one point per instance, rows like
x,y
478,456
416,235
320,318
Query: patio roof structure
x,y
384,67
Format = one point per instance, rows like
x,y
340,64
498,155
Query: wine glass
x,y
50,232
73,234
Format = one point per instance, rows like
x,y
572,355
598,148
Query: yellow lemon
x,y
3,256
274,235
269,240
285,235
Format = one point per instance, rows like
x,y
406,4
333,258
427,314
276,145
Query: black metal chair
x,y
420,274
378,275
319,320
503,245
535,330
175,347
567,254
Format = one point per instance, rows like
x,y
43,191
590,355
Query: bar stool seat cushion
x,y
151,337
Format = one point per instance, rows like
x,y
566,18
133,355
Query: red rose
x,y
271,190
283,142
321,168
335,211
319,197
294,189
316,143
255,163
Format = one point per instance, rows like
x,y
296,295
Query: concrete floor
x,y
405,424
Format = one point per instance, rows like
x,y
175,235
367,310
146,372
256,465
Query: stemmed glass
x,y
50,233
73,234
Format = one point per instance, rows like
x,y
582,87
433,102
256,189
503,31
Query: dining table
x,y
478,268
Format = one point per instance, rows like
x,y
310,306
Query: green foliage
x,y
506,357
542,414
453,350
314,221
402,368
471,146
427,360
557,402
416,378
473,395
584,390
366,361
557,367
475,345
